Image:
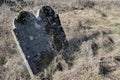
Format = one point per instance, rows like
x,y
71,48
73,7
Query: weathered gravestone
x,y
39,38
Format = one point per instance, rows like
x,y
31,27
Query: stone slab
x,y
38,38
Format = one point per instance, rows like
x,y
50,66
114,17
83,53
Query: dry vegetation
x,y
92,29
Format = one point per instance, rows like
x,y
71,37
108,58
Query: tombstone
x,y
39,38
53,27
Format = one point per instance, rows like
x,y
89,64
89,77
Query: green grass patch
x,y
117,25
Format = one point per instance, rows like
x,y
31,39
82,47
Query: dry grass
x,y
85,27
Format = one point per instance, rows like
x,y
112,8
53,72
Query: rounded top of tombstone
x,y
47,11
25,17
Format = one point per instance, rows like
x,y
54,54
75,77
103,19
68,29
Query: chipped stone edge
x,y
21,51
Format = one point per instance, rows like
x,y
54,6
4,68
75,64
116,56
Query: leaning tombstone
x,y
39,38
53,27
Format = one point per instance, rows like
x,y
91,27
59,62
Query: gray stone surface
x,y
39,37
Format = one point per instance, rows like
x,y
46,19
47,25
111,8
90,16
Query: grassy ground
x,y
93,34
